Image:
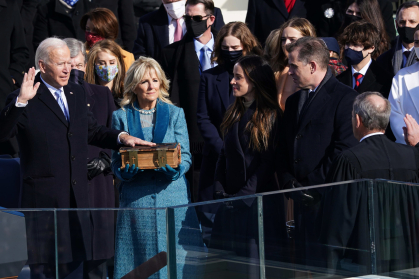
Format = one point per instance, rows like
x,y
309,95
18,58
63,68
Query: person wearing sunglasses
x,y
184,61
164,26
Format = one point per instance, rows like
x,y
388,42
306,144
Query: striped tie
x,y
62,105
357,77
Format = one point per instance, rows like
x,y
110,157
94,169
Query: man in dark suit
x,y
263,16
402,53
183,62
13,58
53,126
374,157
62,18
316,127
363,74
158,29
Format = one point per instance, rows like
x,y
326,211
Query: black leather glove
x,y
98,165
306,197
222,195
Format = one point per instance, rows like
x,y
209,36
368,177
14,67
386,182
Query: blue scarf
x,y
70,2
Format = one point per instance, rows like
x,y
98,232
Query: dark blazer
x,y
214,98
153,33
54,169
101,104
54,19
263,16
28,10
375,79
309,142
182,67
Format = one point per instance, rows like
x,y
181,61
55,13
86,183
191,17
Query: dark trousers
x,y
74,270
193,176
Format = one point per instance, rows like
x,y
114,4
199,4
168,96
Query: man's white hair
x,y
44,48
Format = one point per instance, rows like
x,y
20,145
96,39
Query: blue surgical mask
x,y
353,57
106,73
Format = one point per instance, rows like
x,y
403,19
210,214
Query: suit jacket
x,y
310,141
153,33
404,99
28,11
263,16
54,170
375,79
386,60
182,67
214,98
54,19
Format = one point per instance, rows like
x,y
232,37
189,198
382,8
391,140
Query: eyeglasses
x,y
197,18
77,66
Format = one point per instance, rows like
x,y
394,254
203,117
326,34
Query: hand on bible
x,y
411,131
28,89
133,141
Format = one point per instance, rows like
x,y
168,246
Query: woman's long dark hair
x,y
371,12
257,71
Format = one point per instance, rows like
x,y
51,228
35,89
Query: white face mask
x,y
176,10
417,51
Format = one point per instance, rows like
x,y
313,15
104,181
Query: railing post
x,y
261,238
371,217
56,243
171,243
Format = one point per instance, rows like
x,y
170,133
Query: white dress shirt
x,y
363,71
370,135
172,27
209,51
404,57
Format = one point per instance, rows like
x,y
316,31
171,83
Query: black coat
x,y
101,190
375,157
310,142
375,79
153,33
214,98
54,169
28,10
182,67
54,19
263,16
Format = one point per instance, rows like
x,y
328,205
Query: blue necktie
x,y
61,104
204,59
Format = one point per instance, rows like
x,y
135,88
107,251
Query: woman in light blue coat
x,y
141,234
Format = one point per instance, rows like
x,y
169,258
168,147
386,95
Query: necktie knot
x,y
407,54
357,77
204,59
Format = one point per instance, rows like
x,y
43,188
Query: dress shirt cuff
x,y
121,133
20,105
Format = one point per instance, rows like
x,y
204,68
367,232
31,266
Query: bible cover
x,y
151,157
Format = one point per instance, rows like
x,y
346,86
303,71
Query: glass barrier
x,y
341,230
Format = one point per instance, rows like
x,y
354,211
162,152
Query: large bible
x,y
151,157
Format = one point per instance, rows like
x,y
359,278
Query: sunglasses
x,y
197,18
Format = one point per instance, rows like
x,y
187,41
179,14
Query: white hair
x,y
44,48
76,47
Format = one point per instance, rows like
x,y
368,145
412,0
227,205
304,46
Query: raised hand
x,y
133,141
411,131
28,89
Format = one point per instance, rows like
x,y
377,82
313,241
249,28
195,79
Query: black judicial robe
x,y
344,220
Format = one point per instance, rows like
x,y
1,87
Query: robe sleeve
x,y
342,170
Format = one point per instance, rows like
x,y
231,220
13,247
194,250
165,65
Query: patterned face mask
x,y
91,38
106,73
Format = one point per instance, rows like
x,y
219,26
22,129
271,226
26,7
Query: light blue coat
x,y
141,234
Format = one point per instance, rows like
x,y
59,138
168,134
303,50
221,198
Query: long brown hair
x,y
257,71
240,31
279,61
112,48
104,21
371,12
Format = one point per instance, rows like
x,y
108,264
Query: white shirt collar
x,y
50,87
198,44
309,91
364,70
405,49
370,135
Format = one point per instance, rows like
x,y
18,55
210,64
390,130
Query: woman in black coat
x,y
214,97
246,164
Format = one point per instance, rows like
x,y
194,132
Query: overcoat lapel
x,y
223,88
134,121
162,121
46,97
160,28
90,96
279,4
71,102
368,80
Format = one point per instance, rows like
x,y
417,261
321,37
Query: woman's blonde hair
x,y
112,48
136,73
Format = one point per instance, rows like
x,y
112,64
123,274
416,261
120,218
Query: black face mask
x,y
406,34
196,28
349,19
353,57
76,76
230,57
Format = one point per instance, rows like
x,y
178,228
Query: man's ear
x,y
313,67
41,66
358,121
